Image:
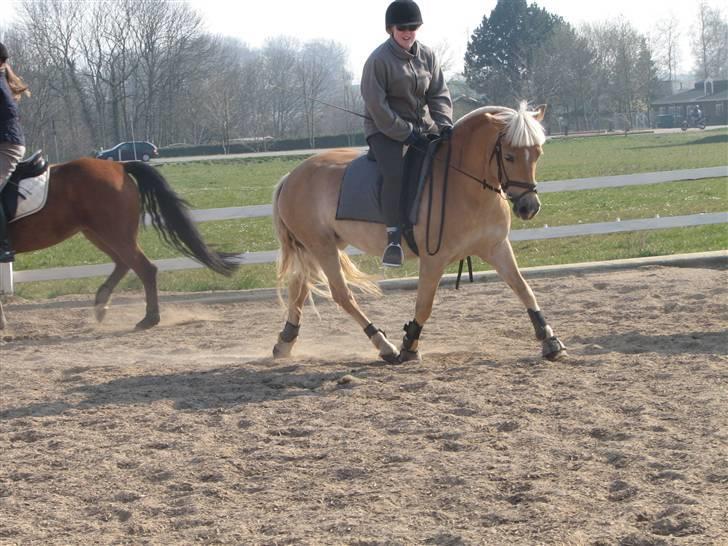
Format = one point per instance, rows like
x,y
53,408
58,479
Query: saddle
x,y
361,189
27,188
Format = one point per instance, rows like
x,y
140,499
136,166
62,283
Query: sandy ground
x,y
190,433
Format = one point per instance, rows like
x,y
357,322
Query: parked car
x,y
126,151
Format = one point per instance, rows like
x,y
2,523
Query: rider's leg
x,y
389,155
10,155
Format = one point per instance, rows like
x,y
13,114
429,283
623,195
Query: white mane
x,y
520,129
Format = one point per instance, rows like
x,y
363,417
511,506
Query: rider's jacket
x,y
10,130
404,91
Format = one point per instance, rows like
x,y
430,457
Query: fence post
x,y
6,279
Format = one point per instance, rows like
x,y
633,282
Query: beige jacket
x,y
403,91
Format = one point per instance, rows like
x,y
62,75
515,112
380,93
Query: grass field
x,y
225,183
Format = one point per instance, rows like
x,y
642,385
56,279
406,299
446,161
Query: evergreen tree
x,y
500,54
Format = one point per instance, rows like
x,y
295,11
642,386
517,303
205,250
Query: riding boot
x,y
6,253
393,254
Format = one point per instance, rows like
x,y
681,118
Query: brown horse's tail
x,y
296,262
170,217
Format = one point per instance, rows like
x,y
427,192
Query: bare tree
x,y
665,44
710,43
318,69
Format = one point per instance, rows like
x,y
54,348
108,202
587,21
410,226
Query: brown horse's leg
x,y
131,256
297,294
147,273
103,294
329,261
502,258
430,275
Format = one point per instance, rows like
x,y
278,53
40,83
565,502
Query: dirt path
x,y
190,433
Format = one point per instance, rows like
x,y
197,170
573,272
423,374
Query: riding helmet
x,y
4,52
402,12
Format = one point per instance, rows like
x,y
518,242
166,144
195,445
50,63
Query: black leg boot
x,y
393,254
6,253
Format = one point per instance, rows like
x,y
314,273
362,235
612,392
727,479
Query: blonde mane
x,y
520,127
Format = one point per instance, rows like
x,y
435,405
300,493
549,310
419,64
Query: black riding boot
x,y
6,253
393,254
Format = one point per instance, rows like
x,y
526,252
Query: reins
x,y
503,180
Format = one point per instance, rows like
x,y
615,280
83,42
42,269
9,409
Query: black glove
x,y
413,138
446,132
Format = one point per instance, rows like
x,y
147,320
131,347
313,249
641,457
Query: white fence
x,y
7,279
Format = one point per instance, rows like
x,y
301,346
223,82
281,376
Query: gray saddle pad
x,y
360,190
359,197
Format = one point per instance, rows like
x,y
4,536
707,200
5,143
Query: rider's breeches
x,y
10,155
390,160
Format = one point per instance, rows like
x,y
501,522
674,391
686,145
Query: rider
x,y
12,141
405,97
697,113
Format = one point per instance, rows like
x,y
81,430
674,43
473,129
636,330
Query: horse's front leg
x,y
430,275
504,262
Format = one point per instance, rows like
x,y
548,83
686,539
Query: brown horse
x,y
493,155
105,200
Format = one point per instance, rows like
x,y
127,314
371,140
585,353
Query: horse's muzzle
x,y
527,206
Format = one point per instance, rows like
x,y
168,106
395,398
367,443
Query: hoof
x,y
391,358
100,312
553,349
282,349
409,356
387,351
147,322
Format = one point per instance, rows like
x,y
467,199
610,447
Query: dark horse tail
x,y
170,217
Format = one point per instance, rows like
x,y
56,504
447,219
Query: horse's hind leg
x,y
297,294
128,254
3,320
329,261
103,294
502,258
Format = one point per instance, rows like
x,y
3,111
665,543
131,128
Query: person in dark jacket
x,y
12,141
406,98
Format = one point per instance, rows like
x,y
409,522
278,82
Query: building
x,y
710,95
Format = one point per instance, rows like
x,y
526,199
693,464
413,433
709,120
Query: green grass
x,y
248,182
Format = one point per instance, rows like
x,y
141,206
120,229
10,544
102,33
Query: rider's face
x,y
404,38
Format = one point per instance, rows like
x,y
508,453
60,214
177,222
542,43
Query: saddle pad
x,y
359,194
32,195
359,197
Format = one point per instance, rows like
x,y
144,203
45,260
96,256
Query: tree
x,y
710,43
666,47
319,70
500,54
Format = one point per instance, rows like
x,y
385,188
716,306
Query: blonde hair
x,y
17,86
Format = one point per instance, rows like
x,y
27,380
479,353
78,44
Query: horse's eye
x,y
510,158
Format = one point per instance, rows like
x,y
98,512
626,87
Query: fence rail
x,y
7,278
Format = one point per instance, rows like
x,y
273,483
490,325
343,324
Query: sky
x,y
359,24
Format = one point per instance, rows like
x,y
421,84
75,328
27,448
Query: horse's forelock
x,y
521,129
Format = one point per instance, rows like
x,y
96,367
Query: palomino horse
x,y
105,200
493,155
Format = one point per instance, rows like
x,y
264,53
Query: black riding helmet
x,y
402,12
4,55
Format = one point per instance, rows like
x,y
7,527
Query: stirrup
x,y
393,256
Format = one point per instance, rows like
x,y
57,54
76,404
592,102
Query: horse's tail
x,y
170,217
295,261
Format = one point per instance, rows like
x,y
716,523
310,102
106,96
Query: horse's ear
x,y
540,112
490,118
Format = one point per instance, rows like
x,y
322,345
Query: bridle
x,y
504,182
503,179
